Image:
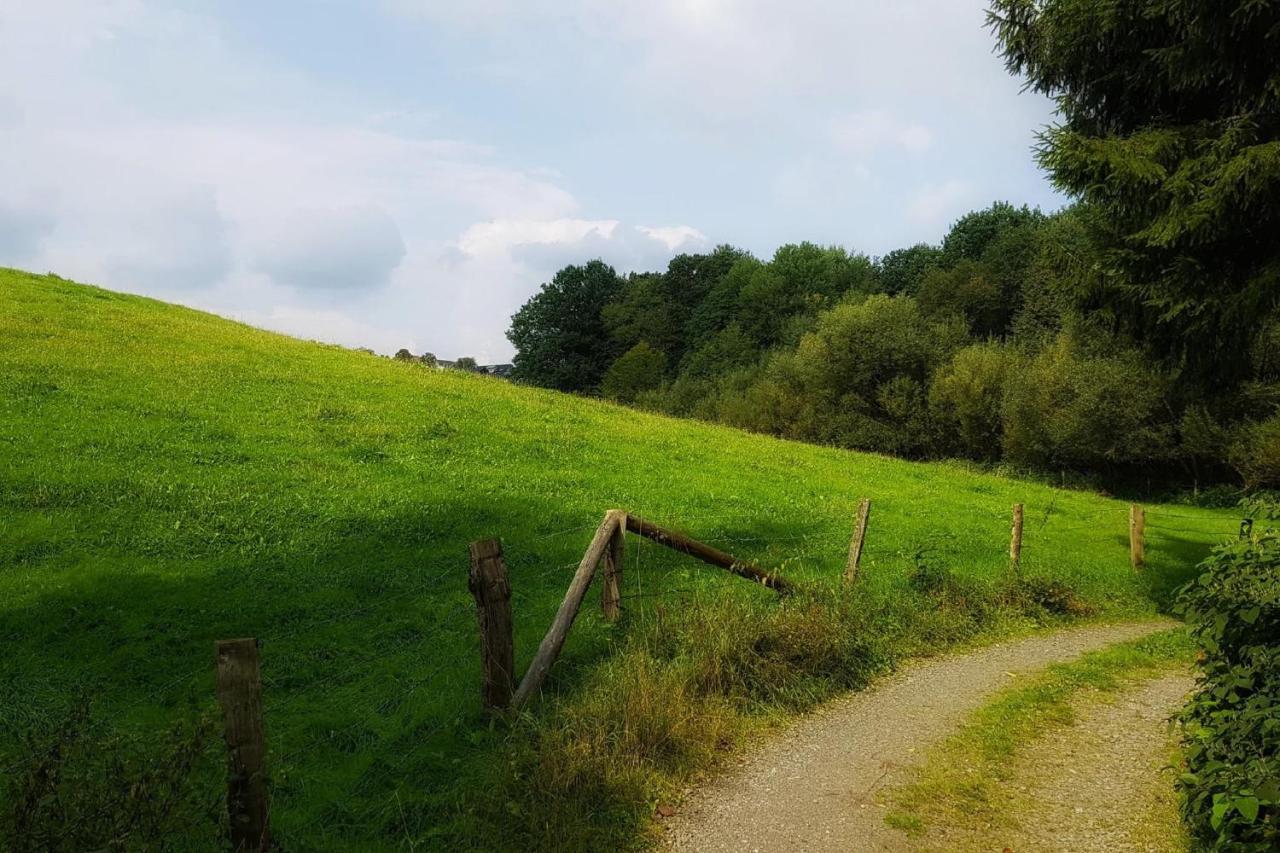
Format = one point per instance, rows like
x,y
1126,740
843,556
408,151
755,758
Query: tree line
x,y
1135,331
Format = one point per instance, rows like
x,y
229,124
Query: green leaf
x,y
1248,808
1219,811
1250,615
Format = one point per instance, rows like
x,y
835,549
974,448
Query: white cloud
x,y
501,235
721,60
218,158
326,324
865,132
675,237
938,204
351,247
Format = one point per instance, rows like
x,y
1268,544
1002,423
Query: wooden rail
x,y
705,553
607,547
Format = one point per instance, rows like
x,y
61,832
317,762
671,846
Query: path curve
x,y
813,788
1105,783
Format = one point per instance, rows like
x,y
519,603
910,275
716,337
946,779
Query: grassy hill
x,y
169,478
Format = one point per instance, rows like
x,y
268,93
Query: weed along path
x,y
814,787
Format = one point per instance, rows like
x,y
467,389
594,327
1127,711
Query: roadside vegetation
x,y
1231,787
170,478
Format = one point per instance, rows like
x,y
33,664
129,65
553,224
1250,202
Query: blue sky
x,y
407,172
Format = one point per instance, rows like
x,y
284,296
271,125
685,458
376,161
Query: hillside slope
x,y
169,478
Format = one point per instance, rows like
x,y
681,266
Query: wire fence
x,y
407,701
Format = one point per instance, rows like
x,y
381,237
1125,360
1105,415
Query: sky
x,y
406,173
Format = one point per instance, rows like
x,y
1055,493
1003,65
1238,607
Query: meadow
x,y
169,478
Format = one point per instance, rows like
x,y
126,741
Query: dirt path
x,y
1104,784
813,789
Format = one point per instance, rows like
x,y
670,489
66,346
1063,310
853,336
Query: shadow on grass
x,y
1172,560
369,647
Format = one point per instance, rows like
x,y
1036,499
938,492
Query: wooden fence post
x,y
549,648
1137,528
855,544
239,690
611,588
1015,540
492,590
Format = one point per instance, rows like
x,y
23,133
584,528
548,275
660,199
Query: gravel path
x,y
1104,785
813,789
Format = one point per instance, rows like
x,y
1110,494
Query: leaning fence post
x,y
239,691
611,588
855,544
1137,526
549,648
489,584
1015,540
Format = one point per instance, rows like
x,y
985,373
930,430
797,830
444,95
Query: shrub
x,y
1231,787
966,397
1255,453
639,369
857,380
1072,407
1264,505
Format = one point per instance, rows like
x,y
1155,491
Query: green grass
x,y
967,782
168,478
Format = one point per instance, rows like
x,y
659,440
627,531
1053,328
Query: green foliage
x,y
1059,279
968,291
966,399
858,379
972,234
647,311
169,478
718,310
1072,406
466,363
902,270
639,369
1231,787
1263,505
1171,132
557,333
1255,452
725,351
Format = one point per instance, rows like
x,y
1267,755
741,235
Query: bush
x,y
1074,407
639,369
857,380
1231,787
966,397
1255,453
